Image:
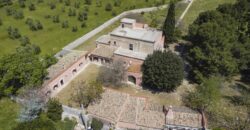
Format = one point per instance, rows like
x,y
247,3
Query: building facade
x,y
131,42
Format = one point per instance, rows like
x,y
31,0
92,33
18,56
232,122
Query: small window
x,y
131,47
122,25
115,43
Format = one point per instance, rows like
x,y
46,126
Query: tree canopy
x,y
206,95
169,24
86,93
220,41
163,71
55,110
23,68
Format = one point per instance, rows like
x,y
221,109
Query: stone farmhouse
x,y
131,42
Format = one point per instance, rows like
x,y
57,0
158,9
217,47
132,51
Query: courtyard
x,y
91,72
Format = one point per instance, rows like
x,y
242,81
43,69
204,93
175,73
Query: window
x,y
115,43
131,47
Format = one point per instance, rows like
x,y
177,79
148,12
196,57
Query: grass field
x,y
8,114
201,6
158,15
53,37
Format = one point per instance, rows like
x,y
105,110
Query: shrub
x,y
83,25
1,22
18,15
32,7
24,41
54,110
96,124
22,3
56,19
74,29
65,24
108,7
13,33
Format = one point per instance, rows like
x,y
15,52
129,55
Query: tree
x,y
169,25
55,110
87,93
32,7
113,75
1,22
56,19
5,2
162,71
22,3
24,41
96,124
74,29
213,37
88,2
37,124
108,7
65,24
49,60
22,68
13,33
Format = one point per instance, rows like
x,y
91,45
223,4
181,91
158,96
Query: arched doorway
x,y
132,79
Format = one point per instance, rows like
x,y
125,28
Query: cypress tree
x,y
169,25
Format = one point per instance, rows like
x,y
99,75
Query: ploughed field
x,y
76,16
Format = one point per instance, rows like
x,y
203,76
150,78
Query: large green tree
x,y
212,36
169,24
22,68
220,41
163,71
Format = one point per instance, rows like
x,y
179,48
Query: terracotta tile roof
x,y
104,51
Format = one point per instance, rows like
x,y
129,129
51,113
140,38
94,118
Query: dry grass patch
x,y
89,74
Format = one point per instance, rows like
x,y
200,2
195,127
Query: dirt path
x,y
184,13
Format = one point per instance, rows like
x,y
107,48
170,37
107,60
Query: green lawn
x,y
8,114
201,6
52,38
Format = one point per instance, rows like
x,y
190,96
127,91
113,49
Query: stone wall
x,y
55,85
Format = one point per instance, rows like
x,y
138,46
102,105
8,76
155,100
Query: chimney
x,y
170,114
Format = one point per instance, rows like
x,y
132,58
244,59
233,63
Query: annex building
x,y
131,42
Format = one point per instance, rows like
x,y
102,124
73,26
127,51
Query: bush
x,y
54,110
18,15
88,2
96,124
108,7
163,71
65,24
13,33
1,22
56,19
37,124
22,3
24,41
74,29
32,7
83,25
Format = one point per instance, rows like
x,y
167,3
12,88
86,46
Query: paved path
x,y
92,33
184,13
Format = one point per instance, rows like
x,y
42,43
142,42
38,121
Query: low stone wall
x,y
56,84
